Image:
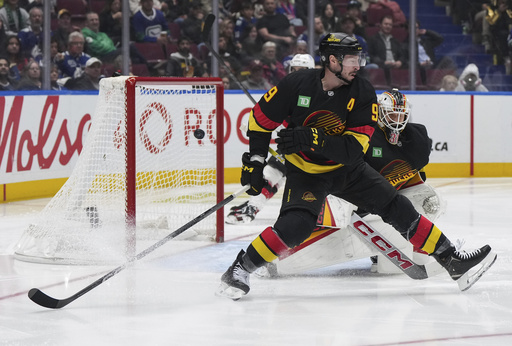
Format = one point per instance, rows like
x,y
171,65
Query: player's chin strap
x,y
338,74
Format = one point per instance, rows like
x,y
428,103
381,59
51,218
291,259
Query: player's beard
x,y
338,74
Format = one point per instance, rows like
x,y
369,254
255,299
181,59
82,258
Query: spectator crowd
x,y
257,39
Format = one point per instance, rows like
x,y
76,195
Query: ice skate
x,y
243,213
235,281
467,267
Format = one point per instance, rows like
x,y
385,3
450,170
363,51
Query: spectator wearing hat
x,y
256,81
14,17
347,25
72,62
148,24
90,79
64,28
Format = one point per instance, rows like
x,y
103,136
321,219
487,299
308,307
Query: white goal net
x,y
152,161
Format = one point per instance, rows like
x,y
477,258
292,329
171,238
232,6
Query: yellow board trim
x,y
430,244
263,250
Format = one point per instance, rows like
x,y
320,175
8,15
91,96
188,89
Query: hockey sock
x,y
429,238
264,249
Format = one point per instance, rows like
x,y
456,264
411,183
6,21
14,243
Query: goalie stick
x,y
377,240
41,298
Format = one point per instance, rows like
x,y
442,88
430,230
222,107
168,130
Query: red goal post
x,y
152,161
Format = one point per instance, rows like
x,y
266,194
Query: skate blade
x,y
469,279
230,292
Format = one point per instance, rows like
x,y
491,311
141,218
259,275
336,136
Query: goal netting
x,y
151,162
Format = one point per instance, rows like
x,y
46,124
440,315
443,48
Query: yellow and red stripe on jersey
x,y
363,134
427,235
268,245
259,122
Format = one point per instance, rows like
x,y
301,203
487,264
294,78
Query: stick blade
x,y
44,300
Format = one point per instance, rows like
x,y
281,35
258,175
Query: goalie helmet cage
x,y
151,162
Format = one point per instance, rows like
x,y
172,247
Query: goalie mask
x,y
394,110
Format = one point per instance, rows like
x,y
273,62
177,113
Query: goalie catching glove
x,y
300,138
252,173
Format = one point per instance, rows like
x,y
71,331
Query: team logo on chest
x,y
329,121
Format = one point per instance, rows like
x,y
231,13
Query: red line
x,y
443,339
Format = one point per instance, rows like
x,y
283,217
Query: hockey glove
x,y
252,174
300,138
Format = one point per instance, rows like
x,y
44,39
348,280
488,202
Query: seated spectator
x,y
256,81
251,45
98,43
90,79
118,66
287,7
16,60
3,38
111,21
276,27
182,63
301,47
31,78
246,17
398,15
192,26
6,83
469,80
233,63
135,5
54,79
226,29
174,10
449,83
329,16
64,28
14,17
347,24
319,33
385,50
354,10
31,38
72,62
273,70
148,23
500,22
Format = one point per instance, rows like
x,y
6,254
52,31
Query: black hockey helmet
x,y
340,44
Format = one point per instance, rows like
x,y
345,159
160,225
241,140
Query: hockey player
x,y
398,151
332,114
274,171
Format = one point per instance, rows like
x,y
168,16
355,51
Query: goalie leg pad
x,y
426,200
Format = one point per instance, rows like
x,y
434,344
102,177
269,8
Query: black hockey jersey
x,y
399,163
348,116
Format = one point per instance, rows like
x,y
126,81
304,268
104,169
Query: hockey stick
x,y
40,298
396,256
208,22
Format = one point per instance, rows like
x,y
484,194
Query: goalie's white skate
x,y
243,213
468,267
